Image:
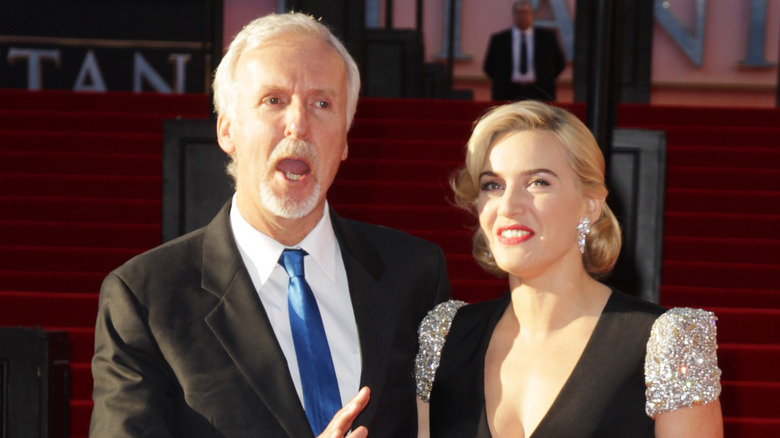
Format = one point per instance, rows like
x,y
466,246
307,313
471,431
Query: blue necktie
x,y
321,397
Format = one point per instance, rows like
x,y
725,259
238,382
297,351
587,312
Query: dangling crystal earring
x,y
583,228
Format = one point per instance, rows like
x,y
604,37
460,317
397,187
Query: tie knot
x,y
292,261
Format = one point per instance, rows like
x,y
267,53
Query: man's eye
x,y
274,100
323,104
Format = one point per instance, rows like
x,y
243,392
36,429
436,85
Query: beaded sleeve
x,y
432,334
681,365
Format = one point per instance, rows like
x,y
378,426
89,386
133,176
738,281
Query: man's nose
x,y
297,121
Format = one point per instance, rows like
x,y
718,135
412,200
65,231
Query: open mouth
x,y
293,169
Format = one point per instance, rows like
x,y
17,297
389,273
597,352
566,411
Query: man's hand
x,y
343,419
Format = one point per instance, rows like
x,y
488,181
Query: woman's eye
x,y
489,186
538,182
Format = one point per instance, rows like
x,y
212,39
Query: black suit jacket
x,y
183,346
548,64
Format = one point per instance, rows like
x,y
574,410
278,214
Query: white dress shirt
x,y
327,277
530,75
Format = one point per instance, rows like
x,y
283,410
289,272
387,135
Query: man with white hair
x,y
270,320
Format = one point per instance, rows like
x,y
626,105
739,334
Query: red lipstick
x,y
513,234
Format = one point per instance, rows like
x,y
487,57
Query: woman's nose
x,y
512,202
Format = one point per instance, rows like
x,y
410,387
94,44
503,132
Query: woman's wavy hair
x,y
583,155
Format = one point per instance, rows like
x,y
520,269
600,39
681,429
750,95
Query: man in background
x,y
524,61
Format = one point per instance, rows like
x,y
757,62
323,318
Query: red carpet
x,y
80,191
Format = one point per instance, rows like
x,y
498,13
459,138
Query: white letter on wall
x,y
90,72
34,57
179,61
143,70
692,45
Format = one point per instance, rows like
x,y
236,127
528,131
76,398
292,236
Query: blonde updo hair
x,y
603,243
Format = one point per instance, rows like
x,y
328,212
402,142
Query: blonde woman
x,y
560,354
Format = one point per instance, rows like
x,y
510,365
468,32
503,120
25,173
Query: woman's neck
x,y
542,308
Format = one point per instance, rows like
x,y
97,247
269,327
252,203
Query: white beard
x,y
278,204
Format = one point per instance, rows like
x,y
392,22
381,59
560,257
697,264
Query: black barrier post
x,y
598,49
605,68
212,35
388,14
450,51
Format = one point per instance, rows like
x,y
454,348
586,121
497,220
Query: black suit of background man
x,y
548,60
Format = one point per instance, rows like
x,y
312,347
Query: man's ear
x,y
345,152
224,137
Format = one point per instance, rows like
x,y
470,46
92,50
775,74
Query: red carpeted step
x,y
640,115
75,163
691,296
82,342
82,121
723,275
94,234
723,178
106,210
487,287
431,109
750,399
81,185
57,281
370,192
66,259
726,137
48,308
746,362
721,224
402,129
725,250
80,414
185,105
716,201
397,170
747,326
82,142
80,381
450,241
464,267
751,427
740,157
417,216
411,149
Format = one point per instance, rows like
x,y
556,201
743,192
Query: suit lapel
x,y
242,327
374,308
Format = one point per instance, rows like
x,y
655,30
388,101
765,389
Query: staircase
x,y
80,193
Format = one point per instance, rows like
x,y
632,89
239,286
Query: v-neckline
x,y
557,401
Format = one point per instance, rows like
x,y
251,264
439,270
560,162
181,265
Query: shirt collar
x,y
263,251
528,32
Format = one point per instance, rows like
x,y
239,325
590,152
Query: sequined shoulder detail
x,y
681,366
432,334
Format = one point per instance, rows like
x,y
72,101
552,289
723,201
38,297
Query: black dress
x,y
603,397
